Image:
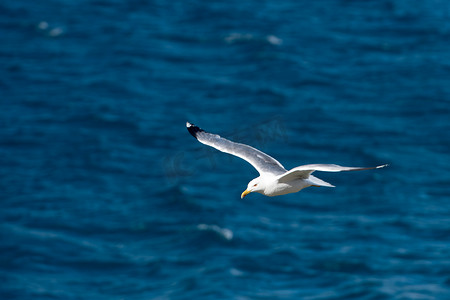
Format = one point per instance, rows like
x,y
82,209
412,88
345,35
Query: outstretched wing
x,y
262,162
303,172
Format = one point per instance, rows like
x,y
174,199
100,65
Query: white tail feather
x,y
316,181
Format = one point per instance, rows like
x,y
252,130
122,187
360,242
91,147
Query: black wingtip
x,y
193,130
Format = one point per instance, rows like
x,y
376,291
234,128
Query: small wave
x,y
274,40
236,37
223,232
57,31
44,26
236,272
243,37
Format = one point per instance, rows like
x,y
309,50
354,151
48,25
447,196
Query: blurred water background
x,y
105,195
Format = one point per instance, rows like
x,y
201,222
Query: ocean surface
x,y
105,195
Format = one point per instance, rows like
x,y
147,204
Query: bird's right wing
x,y
262,162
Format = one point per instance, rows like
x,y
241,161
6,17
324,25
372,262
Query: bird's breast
x,y
277,188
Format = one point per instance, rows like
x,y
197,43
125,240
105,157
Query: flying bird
x,y
273,179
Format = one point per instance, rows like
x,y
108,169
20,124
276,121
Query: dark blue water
x,y
105,195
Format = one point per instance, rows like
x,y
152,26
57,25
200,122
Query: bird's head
x,y
253,186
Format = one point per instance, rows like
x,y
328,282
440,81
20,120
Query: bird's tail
x,y
318,182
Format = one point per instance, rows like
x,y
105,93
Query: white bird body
x,y
274,179
276,188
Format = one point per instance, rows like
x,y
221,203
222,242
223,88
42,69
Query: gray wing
x,y
262,162
303,172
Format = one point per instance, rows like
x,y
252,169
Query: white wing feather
x,y
303,172
262,162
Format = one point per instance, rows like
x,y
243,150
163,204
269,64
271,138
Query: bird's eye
x,y
255,184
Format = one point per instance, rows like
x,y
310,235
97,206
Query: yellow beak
x,y
245,193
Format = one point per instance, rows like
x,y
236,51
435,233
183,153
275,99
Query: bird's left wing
x,y
303,172
262,162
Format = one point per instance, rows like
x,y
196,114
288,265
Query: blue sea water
x,y
105,195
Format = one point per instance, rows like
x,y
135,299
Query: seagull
x,y
273,179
